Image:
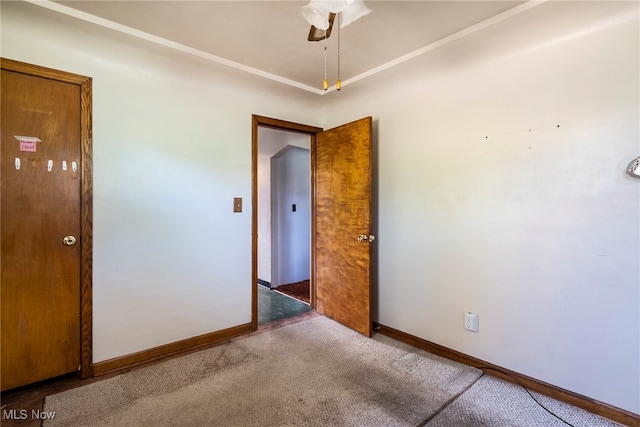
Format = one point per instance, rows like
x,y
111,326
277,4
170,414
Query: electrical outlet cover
x,y
471,322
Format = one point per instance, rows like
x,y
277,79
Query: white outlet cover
x,y
471,322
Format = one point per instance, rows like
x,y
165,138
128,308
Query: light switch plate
x,y
237,204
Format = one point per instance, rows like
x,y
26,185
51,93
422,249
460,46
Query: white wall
x,y
502,191
291,231
270,142
172,148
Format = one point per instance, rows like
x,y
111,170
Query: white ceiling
x,y
269,38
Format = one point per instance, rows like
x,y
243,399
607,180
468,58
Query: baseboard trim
x,y
264,283
169,350
596,407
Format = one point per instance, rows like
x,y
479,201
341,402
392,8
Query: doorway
x,y
261,264
284,224
341,220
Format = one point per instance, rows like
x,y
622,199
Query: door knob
x,y
366,238
69,240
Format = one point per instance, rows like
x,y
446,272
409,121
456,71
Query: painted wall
x,y
502,191
291,231
172,148
270,142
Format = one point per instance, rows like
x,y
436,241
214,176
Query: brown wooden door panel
x,y
343,212
40,275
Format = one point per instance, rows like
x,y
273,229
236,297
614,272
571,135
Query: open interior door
x,y
343,224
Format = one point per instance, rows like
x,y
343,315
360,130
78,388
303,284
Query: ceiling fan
x,y
317,34
321,15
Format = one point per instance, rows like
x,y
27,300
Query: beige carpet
x,y
492,402
314,373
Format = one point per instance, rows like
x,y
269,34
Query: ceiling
x,y
269,38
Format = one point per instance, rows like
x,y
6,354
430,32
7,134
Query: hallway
x,y
274,306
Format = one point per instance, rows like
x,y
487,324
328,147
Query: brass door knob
x,y
69,240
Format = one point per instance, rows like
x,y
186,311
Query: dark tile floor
x,y
274,306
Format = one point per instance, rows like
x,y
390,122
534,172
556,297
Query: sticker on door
x,y
27,143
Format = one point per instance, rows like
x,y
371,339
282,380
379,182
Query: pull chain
x,y
325,83
338,82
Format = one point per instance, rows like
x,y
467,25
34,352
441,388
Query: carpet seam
x,y
450,401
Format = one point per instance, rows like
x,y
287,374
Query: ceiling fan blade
x,y
316,34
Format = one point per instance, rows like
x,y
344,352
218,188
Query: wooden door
x,y
343,213
40,207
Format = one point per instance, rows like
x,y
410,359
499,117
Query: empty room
x,y
468,194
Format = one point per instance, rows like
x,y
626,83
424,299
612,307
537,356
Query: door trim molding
x,y
86,198
262,121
